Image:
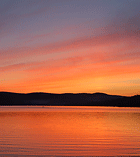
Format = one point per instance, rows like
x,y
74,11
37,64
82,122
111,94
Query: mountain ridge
x,y
68,99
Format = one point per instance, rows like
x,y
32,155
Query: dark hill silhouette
x,y
68,99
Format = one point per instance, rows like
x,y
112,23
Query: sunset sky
x,y
70,46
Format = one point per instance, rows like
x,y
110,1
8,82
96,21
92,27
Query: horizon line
x,y
69,93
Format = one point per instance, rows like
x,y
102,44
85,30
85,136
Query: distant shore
x,y
67,99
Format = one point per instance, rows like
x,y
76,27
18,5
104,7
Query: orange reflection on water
x,y
70,133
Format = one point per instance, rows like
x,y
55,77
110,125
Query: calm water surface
x,y
69,131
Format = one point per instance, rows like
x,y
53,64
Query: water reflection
x,y
70,133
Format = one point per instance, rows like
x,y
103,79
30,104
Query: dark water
x,y
69,131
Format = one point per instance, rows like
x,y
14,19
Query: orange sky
x,y
70,50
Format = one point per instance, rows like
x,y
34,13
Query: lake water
x,y
69,131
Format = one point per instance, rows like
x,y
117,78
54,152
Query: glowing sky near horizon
x,y
70,46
